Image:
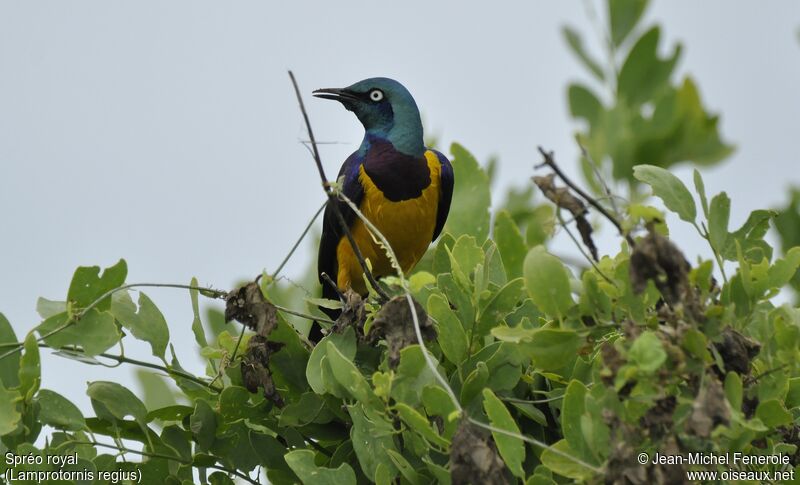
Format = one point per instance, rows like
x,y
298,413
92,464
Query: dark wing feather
x,y
446,180
332,231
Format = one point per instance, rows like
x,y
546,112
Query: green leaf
x,y
147,323
773,414
57,411
751,238
88,284
47,308
345,343
175,412
220,478
203,424
405,467
411,376
511,448
372,437
458,298
441,255
668,188
547,281
119,401
696,343
784,269
469,210
501,304
575,43
733,390
302,463
696,134
719,214
155,389
510,243
9,365
452,338
305,410
541,225
197,324
348,376
177,440
30,369
420,424
623,17
644,74
647,352
474,383
593,300
700,187
437,401
9,414
572,410
787,222
549,348
554,459
95,332
465,257
583,103
324,303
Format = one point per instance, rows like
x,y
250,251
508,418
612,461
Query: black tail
x,y
315,334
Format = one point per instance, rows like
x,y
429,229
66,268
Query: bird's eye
x,y
376,95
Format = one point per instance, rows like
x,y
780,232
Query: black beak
x,y
336,94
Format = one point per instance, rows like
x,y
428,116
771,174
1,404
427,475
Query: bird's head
x,y
385,108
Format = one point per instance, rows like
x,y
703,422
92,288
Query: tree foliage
x,y
530,369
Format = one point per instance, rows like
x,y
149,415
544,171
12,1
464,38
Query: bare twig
x,y
550,162
122,359
280,267
331,197
563,199
302,315
333,285
598,175
580,248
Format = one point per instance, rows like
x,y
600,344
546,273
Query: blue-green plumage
x,y
397,168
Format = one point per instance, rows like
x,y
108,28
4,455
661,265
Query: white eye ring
x,y
376,95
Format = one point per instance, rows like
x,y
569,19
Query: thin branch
x,y
333,285
235,350
580,248
165,457
332,199
303,315
528,401
550,162
121,359
310,224
598,175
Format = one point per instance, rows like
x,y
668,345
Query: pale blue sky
x,y
167,132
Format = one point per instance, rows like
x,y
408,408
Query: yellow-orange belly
x,y
408,226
